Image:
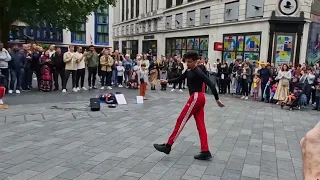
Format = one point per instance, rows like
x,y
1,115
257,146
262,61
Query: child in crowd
x,y
143,75
273,91
120,72
292,96
256,82
133,82
163,76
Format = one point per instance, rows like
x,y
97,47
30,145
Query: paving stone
x,y
251,171
27,174
114,173
88,176
215,169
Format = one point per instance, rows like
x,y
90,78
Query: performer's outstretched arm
x,y
209,83
178,79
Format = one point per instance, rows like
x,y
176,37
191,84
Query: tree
x,y
59,13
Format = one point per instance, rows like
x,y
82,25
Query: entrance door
x,y
150,47
284,48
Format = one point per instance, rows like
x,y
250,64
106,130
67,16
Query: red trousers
x,y
194,107
2,91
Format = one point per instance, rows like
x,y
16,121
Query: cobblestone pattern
x,y
249,140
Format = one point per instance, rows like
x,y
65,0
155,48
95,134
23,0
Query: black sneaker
x,y
203,156
162,148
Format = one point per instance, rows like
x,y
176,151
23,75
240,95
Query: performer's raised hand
x,y
220,104
310,145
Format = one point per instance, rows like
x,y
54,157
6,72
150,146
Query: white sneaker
x,y
180,90
10,91
1,102
84,88
90,87
120,86
102,88
75,90
242,97
78,89
172,90
109,87
246,97
18,91
64,90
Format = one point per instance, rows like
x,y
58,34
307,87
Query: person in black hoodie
x,y
58,68
224,78
179,71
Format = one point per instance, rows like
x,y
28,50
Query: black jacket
x,y
57,61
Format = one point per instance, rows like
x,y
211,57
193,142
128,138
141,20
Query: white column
x,y
174,3
141,6
185,2
148,5
134,8
155,5
125,10
120,10
161,4
129,9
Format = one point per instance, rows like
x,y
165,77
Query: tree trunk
x,y
4,34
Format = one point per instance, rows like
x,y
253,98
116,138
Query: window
x,y
152,5
179,46
48,34
255,8
168,4
79,36
231,11
168,22
132,9
179,2
137,8
205,16
241,46
127,9
179,20
122,11
102,27
146,1
190,18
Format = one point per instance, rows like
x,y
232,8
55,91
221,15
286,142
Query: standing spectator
x,y
224,78
121,71
35,62
265,75
246,79
52,50
5,58
27,72
106,62
92,58
81,69
145,61
128,65
117,58
45,84
153,73
233,69
58,68
316,87
70,68
16,68
310,78
143,80
284,77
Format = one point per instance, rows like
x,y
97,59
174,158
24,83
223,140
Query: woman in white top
x,y
145,61
81,69
284,77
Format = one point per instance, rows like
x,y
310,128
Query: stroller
x,y
296,102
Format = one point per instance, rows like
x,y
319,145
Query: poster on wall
x,y
240,43
190,43
283,49
204,44
229,56
196,44
178,43
313,48
184,44
229,43
252,56
252,43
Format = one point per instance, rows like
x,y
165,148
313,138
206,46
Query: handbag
x,y
285,84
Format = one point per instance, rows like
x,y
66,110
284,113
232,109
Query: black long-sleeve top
x,y
195,79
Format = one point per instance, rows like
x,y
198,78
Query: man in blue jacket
x,y
16,67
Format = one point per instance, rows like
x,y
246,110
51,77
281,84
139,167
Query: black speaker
x,y
95,104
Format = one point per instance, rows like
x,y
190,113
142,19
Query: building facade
x,y
266,30
97,31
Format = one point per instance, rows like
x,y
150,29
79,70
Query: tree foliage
x,y
59,13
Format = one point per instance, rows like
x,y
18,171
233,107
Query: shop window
x,y
179,20
168,22
231,11
179,46
205,16
130,47
150,47
241,46
79,36
190,18
255,8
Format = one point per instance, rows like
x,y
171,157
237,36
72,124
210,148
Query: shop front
x,y
130,47
178,46
313,48
241,46
115,45
149,45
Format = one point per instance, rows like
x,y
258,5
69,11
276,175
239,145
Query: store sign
x,y
149,37
218,46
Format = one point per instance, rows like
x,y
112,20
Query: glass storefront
x,y
241,46
150,47
179,46
313,48
130,47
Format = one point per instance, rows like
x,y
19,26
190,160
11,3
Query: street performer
x,y
195,106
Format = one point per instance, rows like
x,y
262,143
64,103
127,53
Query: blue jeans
x,y
16,75
238,87
127,76
114,78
